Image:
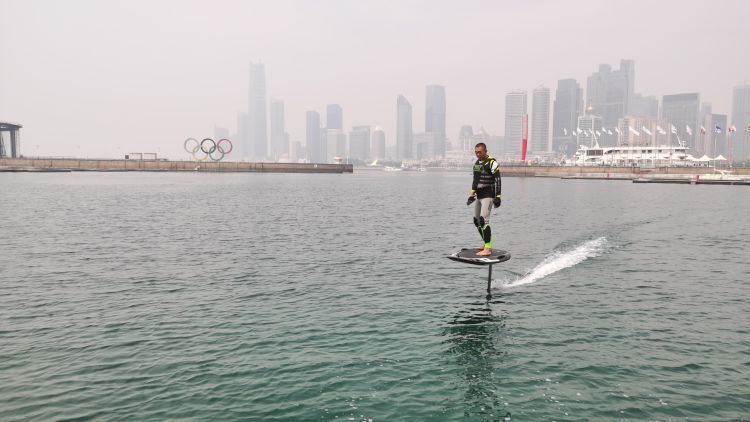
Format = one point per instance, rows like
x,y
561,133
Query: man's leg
x,y
484,225
477,218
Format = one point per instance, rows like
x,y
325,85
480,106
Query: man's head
x,y
480,150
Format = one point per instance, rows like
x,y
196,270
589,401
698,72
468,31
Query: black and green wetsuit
x,y
487,184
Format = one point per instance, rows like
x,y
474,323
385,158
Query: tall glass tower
x,y
540,102
279,143
404,132
568,106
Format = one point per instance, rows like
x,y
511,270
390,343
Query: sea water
x,y
155,296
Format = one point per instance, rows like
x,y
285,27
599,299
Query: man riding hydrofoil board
x,y
485,189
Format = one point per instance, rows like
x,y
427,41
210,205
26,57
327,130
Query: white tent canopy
x,y
720,158
705,158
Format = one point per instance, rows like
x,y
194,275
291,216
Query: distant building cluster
x,y
608,113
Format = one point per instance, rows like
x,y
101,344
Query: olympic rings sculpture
x,y
209,148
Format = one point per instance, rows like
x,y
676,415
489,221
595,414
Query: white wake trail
x,y
561,260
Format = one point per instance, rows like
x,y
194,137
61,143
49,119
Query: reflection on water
x,y
476,339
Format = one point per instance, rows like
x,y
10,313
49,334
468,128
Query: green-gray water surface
x,y
163,296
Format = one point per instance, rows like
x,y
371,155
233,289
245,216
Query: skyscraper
x,y
258,138
314,146
740,140
515,109
335,144
568,107
682,112
279,143
609,93
334,117
378,143
404,132
359,142
435,116
641,106
540,102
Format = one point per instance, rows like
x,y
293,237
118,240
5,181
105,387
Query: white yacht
x,y
644,156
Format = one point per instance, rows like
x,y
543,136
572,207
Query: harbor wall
x,y
608,172
75,164
41,164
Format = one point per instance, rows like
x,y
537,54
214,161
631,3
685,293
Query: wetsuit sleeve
x,y
498,180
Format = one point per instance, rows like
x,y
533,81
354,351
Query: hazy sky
x,y
103,78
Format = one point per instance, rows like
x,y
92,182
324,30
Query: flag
x,y
717,129
747,129
688,130
578,130
648,132
731,129
703,130
660,130
565,131
633,131
674,129
617,129
609,131
598,133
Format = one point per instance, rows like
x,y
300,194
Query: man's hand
x,y
472,198
497,201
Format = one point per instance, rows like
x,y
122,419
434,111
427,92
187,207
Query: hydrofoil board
x,y
469,256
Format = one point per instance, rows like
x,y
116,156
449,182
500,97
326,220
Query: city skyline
x,y
179,82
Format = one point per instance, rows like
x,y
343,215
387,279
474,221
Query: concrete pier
x,y
74,164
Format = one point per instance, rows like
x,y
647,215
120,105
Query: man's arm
x,y
475,182
498,184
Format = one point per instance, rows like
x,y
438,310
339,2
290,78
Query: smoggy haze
x,y
100,79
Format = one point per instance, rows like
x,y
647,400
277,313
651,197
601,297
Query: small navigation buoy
x,y
469,256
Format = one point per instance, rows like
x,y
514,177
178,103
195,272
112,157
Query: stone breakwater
x,y
74,164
